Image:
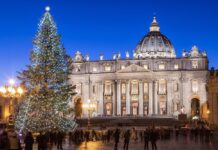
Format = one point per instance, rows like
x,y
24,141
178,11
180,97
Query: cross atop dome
x,y
154,26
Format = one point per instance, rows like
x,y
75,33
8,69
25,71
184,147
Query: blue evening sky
x,y
105,26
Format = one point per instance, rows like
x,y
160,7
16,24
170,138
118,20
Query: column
x,y
141,106
155,98
186,96
128,98
118,99
114,98
101,98
150,102
85,96
169,97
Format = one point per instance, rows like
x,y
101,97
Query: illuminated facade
x,y
152,82
212,87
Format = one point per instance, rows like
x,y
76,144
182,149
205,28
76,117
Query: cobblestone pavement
x,y
180,144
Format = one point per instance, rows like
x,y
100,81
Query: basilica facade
x,y
151,82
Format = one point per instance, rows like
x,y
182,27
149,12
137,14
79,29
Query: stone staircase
x,y
129,121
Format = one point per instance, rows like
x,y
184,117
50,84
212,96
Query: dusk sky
x,y
105,26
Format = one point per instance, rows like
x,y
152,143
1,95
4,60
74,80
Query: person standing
x,y
60,137
126,140
4,141
14,143
42,141
116,138
29,141
146,139
154,137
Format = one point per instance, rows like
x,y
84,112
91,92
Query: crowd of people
x,y
148,135
10,140
120,137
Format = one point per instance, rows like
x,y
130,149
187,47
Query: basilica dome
x,y
154,44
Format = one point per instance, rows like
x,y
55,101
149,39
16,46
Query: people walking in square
x,y
4,141
146,139
126,140
29,141
116,138
153,137
14,143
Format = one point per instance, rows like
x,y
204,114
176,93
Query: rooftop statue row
x,y
193,53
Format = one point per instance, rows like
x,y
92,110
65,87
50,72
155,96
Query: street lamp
x,y
90,107
11,92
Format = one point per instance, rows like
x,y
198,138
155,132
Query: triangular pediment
x,y
133,68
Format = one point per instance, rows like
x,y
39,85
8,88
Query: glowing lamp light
x,y
20,90
3,90
11,81
13,91
10,89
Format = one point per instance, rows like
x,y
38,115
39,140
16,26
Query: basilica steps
x,y
129,121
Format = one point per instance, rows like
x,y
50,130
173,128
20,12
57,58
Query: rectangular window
x,y
194,86
162,86
107,68
123,88
94,69
145,88
145,67
134,88
108,88
176,66
123,66
161,66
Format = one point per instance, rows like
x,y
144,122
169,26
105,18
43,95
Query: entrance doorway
x,y
195,107
78,107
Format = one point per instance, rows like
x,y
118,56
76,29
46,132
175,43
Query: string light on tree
x,y
45,105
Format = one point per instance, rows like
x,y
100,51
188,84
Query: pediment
x,y
133,68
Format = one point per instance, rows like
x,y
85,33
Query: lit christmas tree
x,y
45,105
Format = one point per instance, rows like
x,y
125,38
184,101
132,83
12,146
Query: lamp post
x,y
11,91
90,107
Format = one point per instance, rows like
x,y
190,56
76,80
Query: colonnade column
x,y
118,98
141,106
128,98
101,98
85,96
169,96
150,102
114,98
155,98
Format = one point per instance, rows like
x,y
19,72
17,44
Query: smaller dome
x,y
154,44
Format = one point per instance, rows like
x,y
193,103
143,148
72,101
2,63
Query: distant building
x,y
152,82
212,88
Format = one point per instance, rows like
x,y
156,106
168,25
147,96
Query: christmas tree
x,y
45,105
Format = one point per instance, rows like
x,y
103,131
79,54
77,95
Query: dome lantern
x,y
154,26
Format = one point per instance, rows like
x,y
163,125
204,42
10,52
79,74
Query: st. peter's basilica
x,y
154,81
